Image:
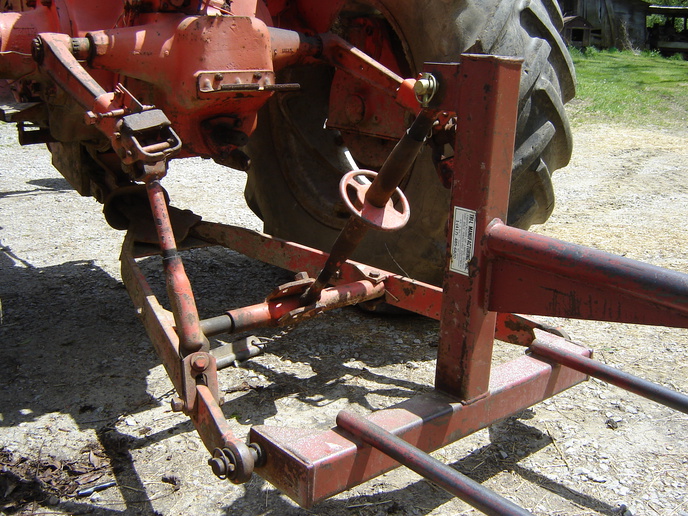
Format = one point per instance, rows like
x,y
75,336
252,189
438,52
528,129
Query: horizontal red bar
x,y
310,467
406,293
537,275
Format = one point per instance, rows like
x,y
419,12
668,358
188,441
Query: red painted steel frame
x,y
491,267
311,467
429,467
486,103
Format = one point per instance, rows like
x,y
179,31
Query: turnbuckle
x,y
373,204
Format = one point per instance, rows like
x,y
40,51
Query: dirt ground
x,y
84,401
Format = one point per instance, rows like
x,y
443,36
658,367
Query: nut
x,y
200,362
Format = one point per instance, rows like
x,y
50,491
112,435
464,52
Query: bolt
x,y
177,404
218,467
221,463
200,362
219,76
422,87
374,274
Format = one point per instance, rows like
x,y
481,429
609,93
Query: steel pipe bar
x,y
310,467
626,381
275,312
446,477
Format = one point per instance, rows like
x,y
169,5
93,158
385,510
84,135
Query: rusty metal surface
x,y
188,327
204,411
309,468
212,71
449,479
407,293
288,310
480,192
569,280
629,382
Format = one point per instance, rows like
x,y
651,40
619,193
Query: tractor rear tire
x,y
296,164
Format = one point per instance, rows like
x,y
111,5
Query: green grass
x,y
628,88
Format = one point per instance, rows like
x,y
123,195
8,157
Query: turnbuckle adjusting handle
x,y
386,218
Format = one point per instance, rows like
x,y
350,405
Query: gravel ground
x,y
84,400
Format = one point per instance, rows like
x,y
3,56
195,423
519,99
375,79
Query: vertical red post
x,y
485,102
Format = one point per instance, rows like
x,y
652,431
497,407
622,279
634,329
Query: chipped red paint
x,y
310,467
568,280
485,89
474,310
649,390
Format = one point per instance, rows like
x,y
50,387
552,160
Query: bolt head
x,y
177,404
218,467
200,362
422,86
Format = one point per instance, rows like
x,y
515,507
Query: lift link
x,y
191,338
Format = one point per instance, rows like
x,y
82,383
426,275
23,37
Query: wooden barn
x,y
612,23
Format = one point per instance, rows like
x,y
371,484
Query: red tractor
x,y
294,92
343,113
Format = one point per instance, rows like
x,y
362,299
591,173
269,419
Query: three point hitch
x,y
493,272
